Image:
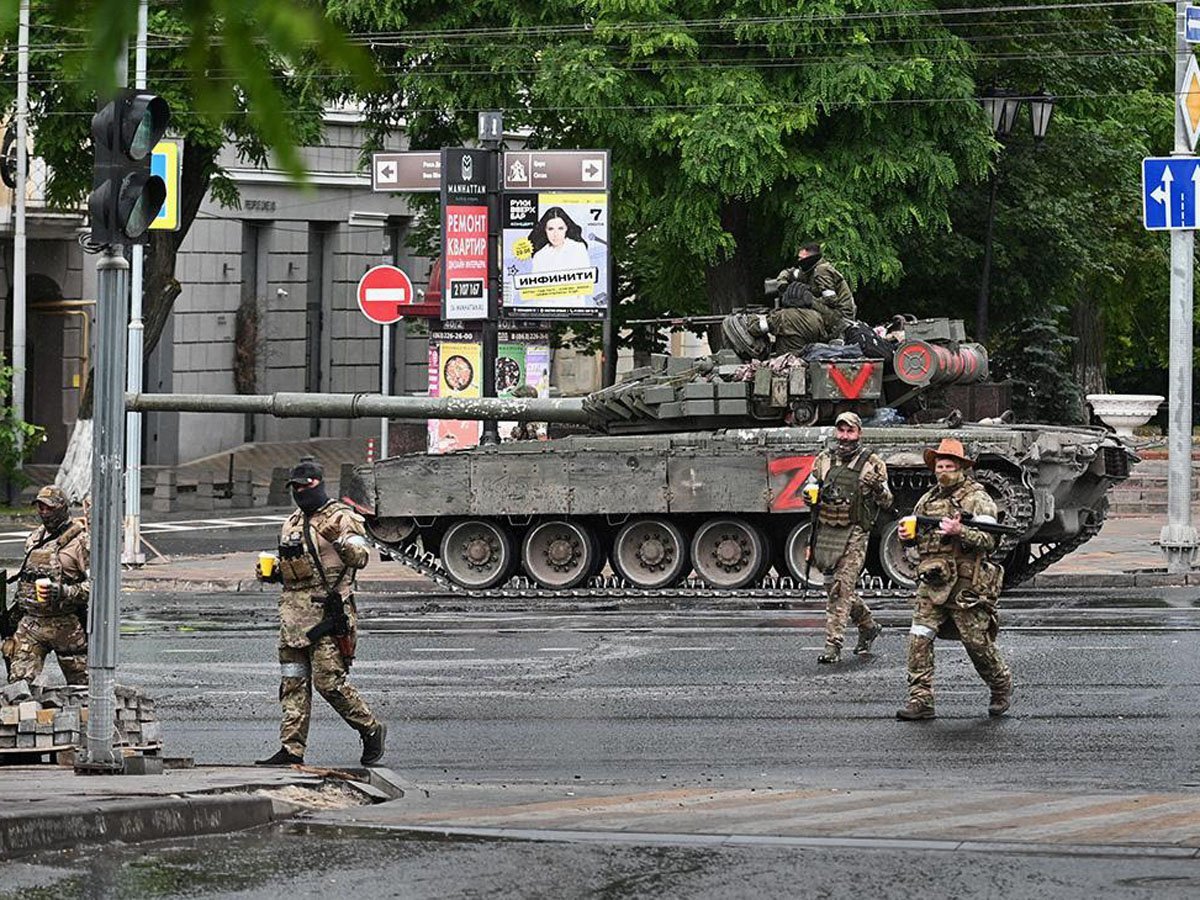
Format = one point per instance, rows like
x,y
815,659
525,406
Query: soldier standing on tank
x,y
827,284
321,547
850,485
52,592
957,585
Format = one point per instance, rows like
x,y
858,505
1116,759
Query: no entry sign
x,y
385,295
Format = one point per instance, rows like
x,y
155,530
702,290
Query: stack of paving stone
x,y
34,718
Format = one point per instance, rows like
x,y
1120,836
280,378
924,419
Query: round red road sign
x,y
385,294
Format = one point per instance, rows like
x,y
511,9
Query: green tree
x,y
1068,234
239,74
738,129
18,438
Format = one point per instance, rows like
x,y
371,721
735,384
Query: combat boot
x,y
1001,699
913,711
866,639
282,757
831,655
373,744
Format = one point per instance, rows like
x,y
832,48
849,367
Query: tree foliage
x,y
738,129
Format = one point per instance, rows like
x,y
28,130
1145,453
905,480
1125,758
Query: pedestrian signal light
x,y
125,197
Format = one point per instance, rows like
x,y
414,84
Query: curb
x,y
22,833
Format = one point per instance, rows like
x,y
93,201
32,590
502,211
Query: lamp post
x,y
1002,106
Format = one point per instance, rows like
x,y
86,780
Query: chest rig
x,y
297,566
42,560
843,501
929,540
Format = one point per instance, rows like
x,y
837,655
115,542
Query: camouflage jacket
x,y
962,558
338,536
796,328
63,559
824,277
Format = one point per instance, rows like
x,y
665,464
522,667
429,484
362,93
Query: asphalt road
x,y
1104,698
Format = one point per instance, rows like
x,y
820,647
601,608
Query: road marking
x,y
179,527
690,649
189,650
557,649
443,649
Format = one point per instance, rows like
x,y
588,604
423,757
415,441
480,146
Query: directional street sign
x,y
556,170
1191,24
416,170
1170,192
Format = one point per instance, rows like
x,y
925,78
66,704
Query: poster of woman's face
x,y
555,255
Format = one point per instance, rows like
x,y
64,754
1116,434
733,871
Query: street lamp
x,y
1041,105
1002,106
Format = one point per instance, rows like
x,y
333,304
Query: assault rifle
x,y
986,524
335,623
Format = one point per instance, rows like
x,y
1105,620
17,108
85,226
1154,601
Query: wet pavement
x,y
298,861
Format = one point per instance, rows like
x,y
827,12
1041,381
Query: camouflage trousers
x,y
976,625
319,665
36,636
843,602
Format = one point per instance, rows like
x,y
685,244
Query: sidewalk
x,y
48,807
1123,554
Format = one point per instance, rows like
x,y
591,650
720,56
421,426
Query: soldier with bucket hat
x,y
958,586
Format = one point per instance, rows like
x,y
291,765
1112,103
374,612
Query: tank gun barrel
x,y
357,406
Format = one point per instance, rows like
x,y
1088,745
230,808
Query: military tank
x,y
692,468
695,466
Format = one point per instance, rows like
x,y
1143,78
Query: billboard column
x,y
491,135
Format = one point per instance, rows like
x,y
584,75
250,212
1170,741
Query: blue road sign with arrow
x,y
1170,192
1191,24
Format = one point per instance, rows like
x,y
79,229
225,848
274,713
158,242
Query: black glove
x,y
797,296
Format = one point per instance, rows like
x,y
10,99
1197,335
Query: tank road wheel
x,y
728,553
897,562
650,553
477,554
559,554
793,556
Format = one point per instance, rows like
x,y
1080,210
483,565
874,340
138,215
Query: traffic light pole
x,y
132,553
108,454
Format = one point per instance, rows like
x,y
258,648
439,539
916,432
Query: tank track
x,y
1049,554
1012,496
611,587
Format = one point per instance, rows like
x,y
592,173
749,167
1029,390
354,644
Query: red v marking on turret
x,y
851,389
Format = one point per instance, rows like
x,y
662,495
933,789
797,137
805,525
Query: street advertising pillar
x,y
468,293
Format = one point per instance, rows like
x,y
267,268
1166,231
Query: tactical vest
x,y
843,501
948,562
296,564
44,562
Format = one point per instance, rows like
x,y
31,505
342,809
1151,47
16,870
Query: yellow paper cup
x,y
266,564
42,589
811,494
908,528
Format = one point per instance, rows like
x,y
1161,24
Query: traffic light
x,y
125,197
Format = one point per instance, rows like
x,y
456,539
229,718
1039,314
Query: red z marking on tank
x,y
851,389
799,467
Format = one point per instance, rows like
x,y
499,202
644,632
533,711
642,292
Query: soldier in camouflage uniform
x,y
55,618
322,546
827,284
958,586
851,486
799,321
